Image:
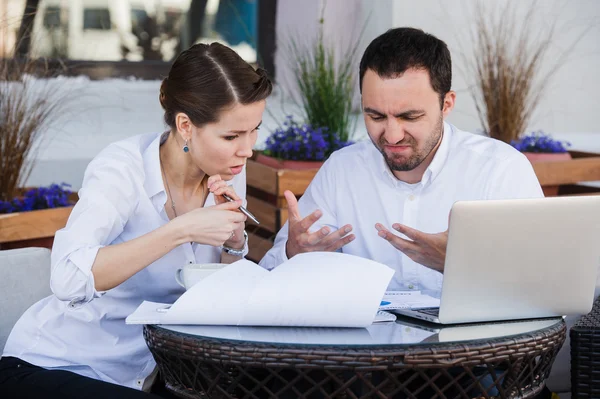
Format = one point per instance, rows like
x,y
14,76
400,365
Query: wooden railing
x,y
565,177
32,229
265,188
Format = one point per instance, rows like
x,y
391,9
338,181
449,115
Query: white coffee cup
x,y
190,274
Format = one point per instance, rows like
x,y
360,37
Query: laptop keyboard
x,y
430,311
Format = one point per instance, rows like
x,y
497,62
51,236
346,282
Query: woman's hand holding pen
x,y
301,240
218,187
212,225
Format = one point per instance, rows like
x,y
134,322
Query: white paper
x,y
408,300
318,289
218,299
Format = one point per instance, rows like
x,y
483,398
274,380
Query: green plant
x,y
326,83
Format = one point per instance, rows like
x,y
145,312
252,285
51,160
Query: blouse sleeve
x,y
239,185
110,193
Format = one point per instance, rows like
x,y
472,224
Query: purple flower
x,y
53,196
540,142
302,142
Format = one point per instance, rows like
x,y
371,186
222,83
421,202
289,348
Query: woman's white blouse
x,y
78,328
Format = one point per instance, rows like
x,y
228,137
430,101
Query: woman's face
x,y
223,147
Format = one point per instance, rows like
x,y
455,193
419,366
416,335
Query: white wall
x,y
298,22
110,110
571,99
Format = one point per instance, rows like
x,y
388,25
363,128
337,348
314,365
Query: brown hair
x,y
205,79
399,49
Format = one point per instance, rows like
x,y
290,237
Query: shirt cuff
x,y
279,256
84,260
283,253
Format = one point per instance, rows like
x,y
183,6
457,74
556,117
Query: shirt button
x,y
410,286
411,197
139,382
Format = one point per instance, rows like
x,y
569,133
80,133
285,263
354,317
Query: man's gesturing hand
x,y
301,240
426,249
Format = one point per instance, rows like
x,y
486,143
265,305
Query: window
x,y
96,18
138,18
52,18
147,30
173,22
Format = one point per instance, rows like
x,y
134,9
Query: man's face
x,y
403,118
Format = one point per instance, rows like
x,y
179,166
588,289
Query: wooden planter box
x,y
33,228
266,185
265,188
564,177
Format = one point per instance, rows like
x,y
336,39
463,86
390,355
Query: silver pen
x,y
242,209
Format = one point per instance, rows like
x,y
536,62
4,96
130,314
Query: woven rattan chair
x,y
585,355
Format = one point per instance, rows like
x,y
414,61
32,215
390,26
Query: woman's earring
x,y
185,147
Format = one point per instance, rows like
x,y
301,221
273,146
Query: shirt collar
x,y
440,157
382,166
153,183
434,168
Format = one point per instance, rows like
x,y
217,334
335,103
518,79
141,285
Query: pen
x,y
242,209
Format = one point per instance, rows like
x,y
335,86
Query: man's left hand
x,y
426,249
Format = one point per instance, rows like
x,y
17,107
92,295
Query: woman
x,y
148,204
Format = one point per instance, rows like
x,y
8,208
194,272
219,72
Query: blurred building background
x,y
132,30
117,51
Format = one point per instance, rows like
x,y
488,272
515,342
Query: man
x,y
389,199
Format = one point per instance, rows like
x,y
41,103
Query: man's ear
x,y
448,105
184,125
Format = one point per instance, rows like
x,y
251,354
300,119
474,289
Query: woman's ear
x,y
184,126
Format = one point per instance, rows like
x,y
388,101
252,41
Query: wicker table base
x,y
199,367
585,355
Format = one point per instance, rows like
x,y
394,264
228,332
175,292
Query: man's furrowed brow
x,y
411,113
370,110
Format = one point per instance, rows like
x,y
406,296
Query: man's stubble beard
x,y
400,163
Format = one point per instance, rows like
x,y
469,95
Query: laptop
x,y
471,331
518,259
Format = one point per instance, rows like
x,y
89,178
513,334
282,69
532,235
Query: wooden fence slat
x,y
262,177
257,247
576,170
33,224
265,212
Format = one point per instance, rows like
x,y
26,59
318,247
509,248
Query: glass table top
x,y
404,331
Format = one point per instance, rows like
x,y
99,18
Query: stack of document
x,y
408,300
318,289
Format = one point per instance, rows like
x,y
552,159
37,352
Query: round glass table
x,y
403,359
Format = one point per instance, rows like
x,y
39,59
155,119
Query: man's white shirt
x,y
355,186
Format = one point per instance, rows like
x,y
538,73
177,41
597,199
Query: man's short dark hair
x,y
399,49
